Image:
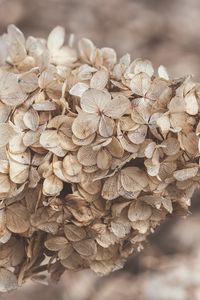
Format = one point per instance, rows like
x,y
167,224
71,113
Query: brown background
x,y
167,32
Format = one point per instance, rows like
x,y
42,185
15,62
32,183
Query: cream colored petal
x,y
185,174
31,137
6,133
31,119
143,65
176,105
78,89
164,123
152,169
58,121
85,125
22,158
52,186
109,57
87,50
191,104
93,101
99,80
4,183
64,56
10,91
28,82
16,144
16,44
4,112
138,135
18,172
150,149
4,166
45,106
128,145
162,72
56,38
106,126
66,143
118,106
140,84
49,139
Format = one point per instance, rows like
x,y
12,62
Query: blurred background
x,y
166,32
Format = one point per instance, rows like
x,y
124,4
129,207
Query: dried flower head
x,y
95,152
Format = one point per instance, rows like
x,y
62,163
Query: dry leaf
x,y
17,218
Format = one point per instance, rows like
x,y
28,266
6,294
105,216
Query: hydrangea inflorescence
x,y
95,152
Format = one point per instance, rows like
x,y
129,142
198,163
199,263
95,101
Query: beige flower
x,y
94,154
98,113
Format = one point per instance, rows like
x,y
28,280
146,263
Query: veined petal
x,y
85,125
94,101
117,107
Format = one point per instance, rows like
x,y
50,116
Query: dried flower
x,y
94,154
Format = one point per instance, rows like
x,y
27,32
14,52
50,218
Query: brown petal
x,y
85,247
139,211
56,243
17,218
74,233
110,188
87,156
115,148
104,159
133,179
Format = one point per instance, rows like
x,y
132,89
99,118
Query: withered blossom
x,y
95,152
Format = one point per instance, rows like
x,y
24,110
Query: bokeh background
x,y
166,32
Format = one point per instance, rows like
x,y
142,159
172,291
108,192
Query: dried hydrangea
x,y
95,152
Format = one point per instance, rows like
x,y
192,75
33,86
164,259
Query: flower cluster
x,y
95,152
